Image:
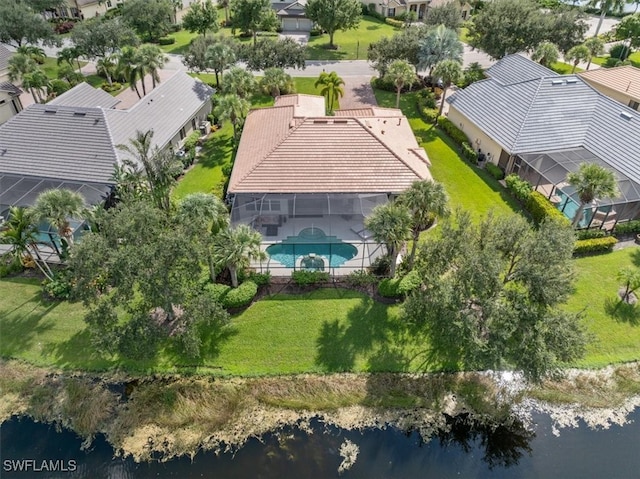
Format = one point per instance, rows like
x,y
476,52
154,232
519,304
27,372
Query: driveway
x,y
299,37
357,93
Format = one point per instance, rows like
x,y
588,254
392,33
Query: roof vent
x,y
79,113
557,82
572,80
341,121
321,121
50,111
626,115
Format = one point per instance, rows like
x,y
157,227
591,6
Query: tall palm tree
x,y
449,71
592,181
577,54
546,53
56,207
234,248
106,66
439,44
606,6
130,64
595,46
33,52
426,200
70,55
234,109
332,88
390,225
400,73
19,232
37,82
152,59
276,82
219,56
239,81
19,66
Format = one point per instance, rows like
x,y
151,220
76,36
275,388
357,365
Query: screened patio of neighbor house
x,y
547,173
317,231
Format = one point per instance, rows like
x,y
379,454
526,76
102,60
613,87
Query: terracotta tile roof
x,y
370,111
305,105
283,152
624,79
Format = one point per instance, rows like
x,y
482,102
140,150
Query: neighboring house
x,y
291,15
307,181
10,104
531,121
72,141
620,83
393,8
85,9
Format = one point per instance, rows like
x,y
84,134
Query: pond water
x,y
467,450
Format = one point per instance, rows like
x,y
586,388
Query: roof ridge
x,y
524,120
111,140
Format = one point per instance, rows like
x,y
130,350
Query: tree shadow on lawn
x,y
215,151
19,330
78,352
635,257
622,312
321,51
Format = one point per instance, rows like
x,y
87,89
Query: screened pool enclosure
x,y
323,232
547,173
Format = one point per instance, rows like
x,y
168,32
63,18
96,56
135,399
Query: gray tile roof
x,y
51,141
554,113
516,68
5,54
10,87
84,95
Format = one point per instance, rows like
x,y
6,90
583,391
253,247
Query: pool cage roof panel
x,y
555,165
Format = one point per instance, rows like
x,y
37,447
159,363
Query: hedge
x,y
409,283
389,288
590,234
261,279
306,278
595,245
628,227
469,153
453,131
495,171
115,86
394,23
240,296
520,188
218,291
166,41
192,140
429,115
541,208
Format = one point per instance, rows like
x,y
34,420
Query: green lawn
x,y
352,44
184,38
468,187
50,67
634,58
464,35
564,68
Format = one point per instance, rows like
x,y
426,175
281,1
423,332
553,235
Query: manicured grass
x,y
634,58
616,334
564,68
352,44
470,188
51,67
464,35
184,38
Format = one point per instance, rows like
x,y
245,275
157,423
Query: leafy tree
x,y
160,167
564,27
56,207
234,248
19,232
101,37
69,74
630,277
448,14
150,18
579,53
251,16
404,45
473,73
224,4
439,44
400,73
240,82
152,59
605,7
220,55
628,30
33,52
334,15
138,278
201,17
20,24
546,53
450,72
131,68
426,200
390,225
592,181
234,109
332,88
283,53
491,292
276,82
595,46
195,57
70,55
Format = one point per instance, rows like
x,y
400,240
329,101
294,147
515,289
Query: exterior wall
x,y
476,136
615,94
419,6
201,115
9,106
95,9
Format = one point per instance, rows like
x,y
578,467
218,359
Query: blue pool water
x,y
308,241
569,207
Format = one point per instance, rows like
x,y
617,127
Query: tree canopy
x,y
439,44
101,37
267,53
334,15
21,24
404,45
251,16
448,15
201,18
150,18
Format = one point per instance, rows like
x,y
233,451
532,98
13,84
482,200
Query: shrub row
x,y
541,208
233,297
361,278
192,140
394,23
399,287
453,131
115,86
469,154
590,234
518,187
166,41
495,171
9,266
628,227
261,279
307,278
594,245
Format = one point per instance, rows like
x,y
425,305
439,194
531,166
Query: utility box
x,y
205,128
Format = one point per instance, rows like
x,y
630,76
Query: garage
x,y
292,24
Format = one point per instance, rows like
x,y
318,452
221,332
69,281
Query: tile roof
x,y
554,113
84,95
515,68
10,88
282,152
624,79
5,54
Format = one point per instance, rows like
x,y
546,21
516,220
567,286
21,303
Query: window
x,y
108,3
391,12
182,133
635,105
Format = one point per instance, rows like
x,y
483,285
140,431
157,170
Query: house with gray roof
x,y
291,15
540,125
10,104
73,141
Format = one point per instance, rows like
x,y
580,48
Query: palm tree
x,y
606,6
426,200
390,225
234,109
68,73
332,88
152,59
595,46
239,81
33,52
276,82
439,44
19,232
130,64
631,279
225,4
546,53
70,55
106,66
19,66
234,248
56,207
400,73
592,181
204,215
449,71
37,82
220,55
577,54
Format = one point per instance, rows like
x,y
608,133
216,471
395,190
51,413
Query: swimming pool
x,y
312,241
